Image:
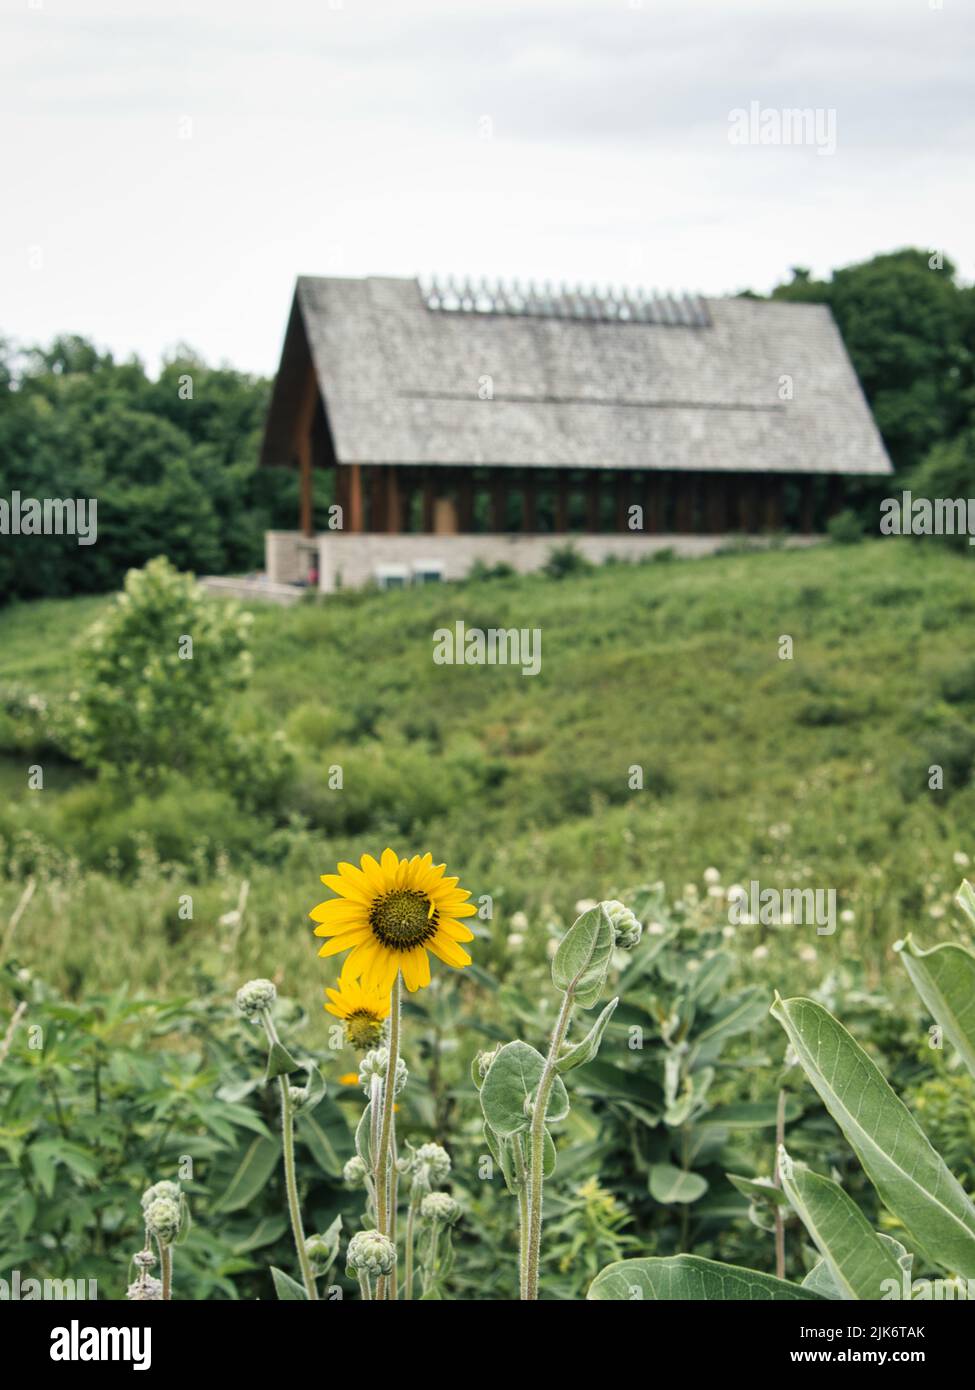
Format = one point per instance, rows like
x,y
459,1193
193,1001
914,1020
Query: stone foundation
x,y
348,561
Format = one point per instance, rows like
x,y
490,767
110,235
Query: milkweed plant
x,y
392,921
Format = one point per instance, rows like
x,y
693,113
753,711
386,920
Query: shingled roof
x,y
400,383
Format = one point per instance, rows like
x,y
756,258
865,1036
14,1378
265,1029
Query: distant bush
x,y
565,560
846,528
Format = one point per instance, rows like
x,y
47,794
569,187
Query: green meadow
x,y
810,771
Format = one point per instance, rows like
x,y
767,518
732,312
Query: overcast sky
x,y
170,166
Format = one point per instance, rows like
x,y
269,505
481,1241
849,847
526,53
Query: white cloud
x,y
349,141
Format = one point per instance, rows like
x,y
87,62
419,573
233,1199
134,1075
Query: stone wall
x,y
351,561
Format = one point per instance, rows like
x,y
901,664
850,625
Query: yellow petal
x,y
343,943
455,930
448,951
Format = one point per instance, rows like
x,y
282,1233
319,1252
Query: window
x,y
392,576
428,572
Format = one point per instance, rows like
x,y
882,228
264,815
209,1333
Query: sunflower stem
x,y
393,1208
386,1125
537,1159
364,1289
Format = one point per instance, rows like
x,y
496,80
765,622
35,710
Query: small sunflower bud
x,y
145,1290
354,1172
298,1095
370,1253
256,996
374,1063
145,1259
162,1218
439,1206
627,929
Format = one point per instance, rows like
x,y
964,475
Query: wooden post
x,y
304,423
747,502
716,504
684,511
622,482
426,521
773,502
562,502
393,519
593,493
465,501
530,501
499,500
354,518
652,503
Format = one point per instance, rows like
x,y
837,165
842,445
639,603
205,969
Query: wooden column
x,y
747,488
426,520
499,500
772,509
304,423
465,501
652,503
716,504
684,510
562,502
354,517
807,504
394,523
593,493
622,490
530,500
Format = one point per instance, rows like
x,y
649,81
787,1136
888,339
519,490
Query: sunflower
x,y
389,914
361,1010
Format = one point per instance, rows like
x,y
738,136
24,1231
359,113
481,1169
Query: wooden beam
x,y
499,500
684,509
716,504
394,521
530,500
653,503
562,501
593,493
426,520
772,509
354,518
465,501
304,424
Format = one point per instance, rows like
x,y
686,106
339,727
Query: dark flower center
x,y
402,919
363,1029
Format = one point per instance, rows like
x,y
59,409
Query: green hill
x,y
809,772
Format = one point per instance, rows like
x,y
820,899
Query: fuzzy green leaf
x,y
669,1184
859,1263
509,1089
944,977
582,960
286,1288
681,1278
910,1177
586,1050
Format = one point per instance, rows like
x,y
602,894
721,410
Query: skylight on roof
x,y
608,305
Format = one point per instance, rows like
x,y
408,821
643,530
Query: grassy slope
x,y
784,771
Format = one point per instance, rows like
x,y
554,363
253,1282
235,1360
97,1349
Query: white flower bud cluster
x,y
354,1172
627,929
256,997
370,1253
431,1167
374,1063
162,1211
439,1207
146,1289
